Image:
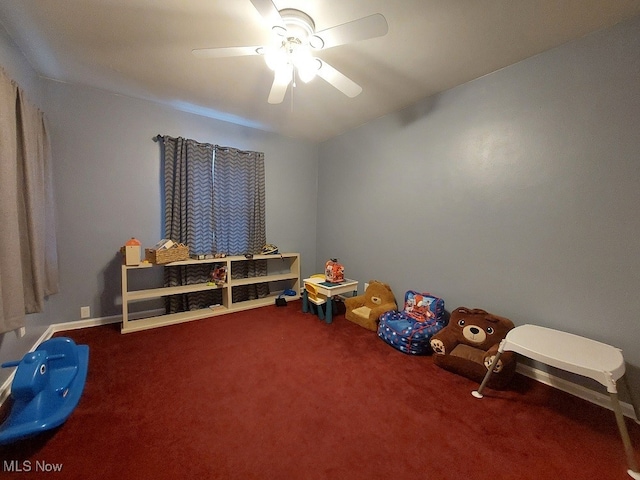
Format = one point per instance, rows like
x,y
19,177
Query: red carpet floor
x,y
273,393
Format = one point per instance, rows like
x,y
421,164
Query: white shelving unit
x,y
282,269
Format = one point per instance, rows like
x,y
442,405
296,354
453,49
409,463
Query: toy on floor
x,y
469,343
46,388
411,329
281,301
365,309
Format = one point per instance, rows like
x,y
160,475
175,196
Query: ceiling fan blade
x,y
225,52
269,12
339,80
281,81
367,27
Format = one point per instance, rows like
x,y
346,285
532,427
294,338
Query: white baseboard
x,y
95,322
574,389
5,388
566,386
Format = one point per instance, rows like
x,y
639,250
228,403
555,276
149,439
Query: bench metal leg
x,y
487,376
634,402
624,433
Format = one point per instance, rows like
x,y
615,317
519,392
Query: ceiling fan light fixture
x,y
308,69
283,74
291,54
275,57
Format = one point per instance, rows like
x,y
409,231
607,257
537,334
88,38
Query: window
x,y
215,203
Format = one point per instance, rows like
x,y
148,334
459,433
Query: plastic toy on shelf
x,y
46,388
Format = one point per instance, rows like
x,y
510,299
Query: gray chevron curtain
x,y
213,205
239,214
188,196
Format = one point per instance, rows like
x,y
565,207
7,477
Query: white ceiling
x,y
142,48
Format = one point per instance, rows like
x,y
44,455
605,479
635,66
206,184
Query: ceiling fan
x,y
294,42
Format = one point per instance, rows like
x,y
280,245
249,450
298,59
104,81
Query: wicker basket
x,y
173,254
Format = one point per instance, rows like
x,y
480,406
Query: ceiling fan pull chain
x,y
293,86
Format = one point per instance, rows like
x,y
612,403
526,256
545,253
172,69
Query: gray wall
x,y
517,193
108,187
17,67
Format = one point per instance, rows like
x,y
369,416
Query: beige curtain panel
x,y
28,249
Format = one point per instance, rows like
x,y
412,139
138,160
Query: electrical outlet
x,y
85,312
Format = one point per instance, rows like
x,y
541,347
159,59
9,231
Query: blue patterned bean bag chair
x,y
411,330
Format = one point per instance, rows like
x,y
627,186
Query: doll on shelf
x,y
218,275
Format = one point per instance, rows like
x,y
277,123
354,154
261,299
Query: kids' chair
x,y
315,298
411,329
365,309
469,343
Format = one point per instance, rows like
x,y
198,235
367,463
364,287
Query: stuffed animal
x,y
365,310
469,343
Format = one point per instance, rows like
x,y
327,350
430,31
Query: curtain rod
x,y
159,137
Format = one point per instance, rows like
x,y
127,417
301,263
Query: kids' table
x,y
329,290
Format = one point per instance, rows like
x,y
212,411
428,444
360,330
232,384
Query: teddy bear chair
x,y
411,329
468,344
365,309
